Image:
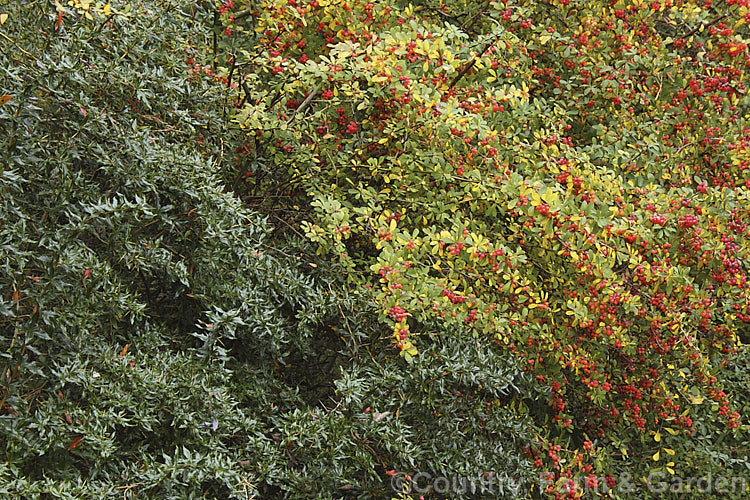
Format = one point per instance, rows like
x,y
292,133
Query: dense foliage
x,y
310,248
161,340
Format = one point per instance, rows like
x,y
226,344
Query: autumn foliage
x,y
567,181
534,216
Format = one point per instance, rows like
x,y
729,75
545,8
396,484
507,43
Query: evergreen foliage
x,y
160,339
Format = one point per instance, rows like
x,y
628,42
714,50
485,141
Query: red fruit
x,y
657,219
543,209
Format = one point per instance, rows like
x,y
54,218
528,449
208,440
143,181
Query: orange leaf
x,y
75,442
5,98
124,350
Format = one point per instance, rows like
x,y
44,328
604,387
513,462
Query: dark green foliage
x,y
160,340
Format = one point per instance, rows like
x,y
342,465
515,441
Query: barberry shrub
x,y
562,181
161,339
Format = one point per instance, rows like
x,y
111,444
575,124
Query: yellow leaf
x,y
657,437
535,199
549,196
669,451
671,471
3,18
656,457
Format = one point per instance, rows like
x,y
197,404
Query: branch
x,y
243,14
471,63
304,104
697,28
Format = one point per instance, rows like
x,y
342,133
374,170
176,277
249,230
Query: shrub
x,y
158,337
565,182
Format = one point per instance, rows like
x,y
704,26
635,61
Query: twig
x,y
289,226
304,104
216,40
243,14
17,46
471,63
472,20
697,28
103,23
